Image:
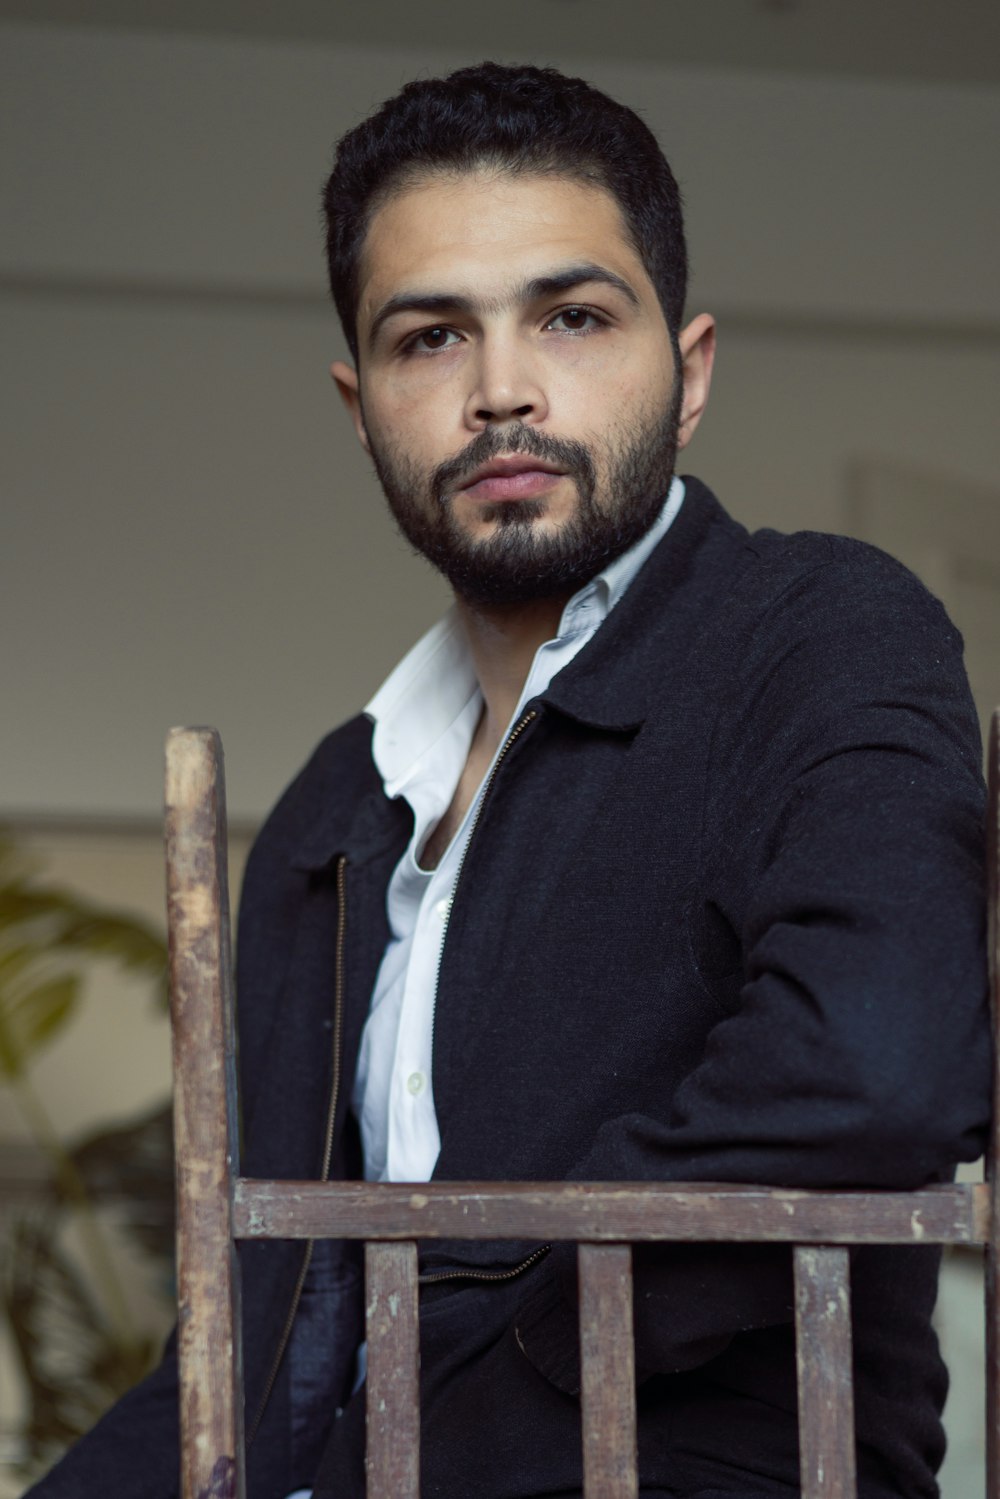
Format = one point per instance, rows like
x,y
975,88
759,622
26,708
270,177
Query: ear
x,y
346,380
697,346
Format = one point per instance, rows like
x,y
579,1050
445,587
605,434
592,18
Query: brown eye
x,y
430,340
575,320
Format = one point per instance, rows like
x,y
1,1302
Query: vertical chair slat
x,y
205,1137
993,1143
992,1288
823,1358
607,1371
393,1380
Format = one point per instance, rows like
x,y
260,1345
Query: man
x,y
659,858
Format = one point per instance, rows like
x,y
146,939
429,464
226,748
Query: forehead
x,y
475,231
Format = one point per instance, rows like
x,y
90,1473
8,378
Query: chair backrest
x,y
217,1207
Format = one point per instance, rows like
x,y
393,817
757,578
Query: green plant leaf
x,y
43,1010
76,1350
31,1019
15,960
48,920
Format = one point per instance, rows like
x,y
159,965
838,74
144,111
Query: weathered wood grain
x,y
610,1213
825,1383
205,1136
607,1369
393,1388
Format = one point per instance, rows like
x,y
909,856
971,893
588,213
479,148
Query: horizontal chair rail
x,y
599,1213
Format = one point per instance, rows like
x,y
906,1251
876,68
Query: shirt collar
x,y
421,699
435,682
611,582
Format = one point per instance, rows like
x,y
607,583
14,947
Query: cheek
x,y
648,381
599,388
419,415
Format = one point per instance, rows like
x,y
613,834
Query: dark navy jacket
x,y
720,919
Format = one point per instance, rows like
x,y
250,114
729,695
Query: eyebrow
x,y
556,282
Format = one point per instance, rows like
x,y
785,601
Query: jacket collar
x,y
346,811
608,685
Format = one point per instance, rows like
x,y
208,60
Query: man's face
x,y
517,387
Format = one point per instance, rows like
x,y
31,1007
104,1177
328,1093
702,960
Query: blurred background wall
x,y
188,531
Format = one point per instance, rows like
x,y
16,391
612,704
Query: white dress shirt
x,y
425,716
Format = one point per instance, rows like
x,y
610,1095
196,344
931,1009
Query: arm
x,y
134,1450
843,866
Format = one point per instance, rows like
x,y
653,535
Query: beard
x,y
518,563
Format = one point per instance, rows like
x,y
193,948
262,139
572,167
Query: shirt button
x,y
441,909
415,1083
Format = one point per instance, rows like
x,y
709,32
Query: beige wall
x,y
188,531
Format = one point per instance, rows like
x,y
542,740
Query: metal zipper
x,y
338,1010
514,734
431,1277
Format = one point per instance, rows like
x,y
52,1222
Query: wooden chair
x,y
217,1207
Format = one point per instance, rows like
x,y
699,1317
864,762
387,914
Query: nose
x,y
506,385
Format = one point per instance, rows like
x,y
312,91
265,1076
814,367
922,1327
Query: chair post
x,y
992,1266
205,1121
607,1372
392,1393
823,1361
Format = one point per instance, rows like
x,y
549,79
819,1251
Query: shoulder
x,y
832,562
322,796
312,813
828,643
813,586
757,577
843,648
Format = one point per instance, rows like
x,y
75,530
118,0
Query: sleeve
x,y
844,854
134,1450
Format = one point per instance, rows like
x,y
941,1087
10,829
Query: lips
x,y
519,476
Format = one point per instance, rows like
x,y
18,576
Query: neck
x,y
503,644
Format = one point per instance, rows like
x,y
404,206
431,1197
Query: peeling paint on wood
x,y
607,1372
823,1358
609,1213
392,1385
222,1484
205,1135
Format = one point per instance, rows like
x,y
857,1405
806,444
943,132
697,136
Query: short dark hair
x,y
511,119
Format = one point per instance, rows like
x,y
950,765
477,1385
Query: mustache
x,y
494,442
